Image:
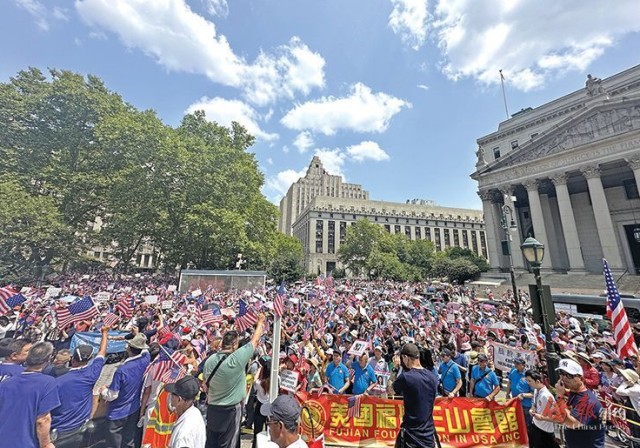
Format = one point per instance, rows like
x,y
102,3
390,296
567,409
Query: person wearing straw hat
x,y
589,373
124,394
630,388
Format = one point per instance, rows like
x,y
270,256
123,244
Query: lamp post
x,y
508,223
533,251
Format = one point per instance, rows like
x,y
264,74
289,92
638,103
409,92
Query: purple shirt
x,y
127,381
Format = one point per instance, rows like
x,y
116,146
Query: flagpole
x,y
504,95
275,358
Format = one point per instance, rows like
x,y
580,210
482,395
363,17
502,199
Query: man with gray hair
x,y
283,417
26,402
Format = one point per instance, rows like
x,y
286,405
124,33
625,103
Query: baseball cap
x,y
570,366
482,358
410,350
284,409
187,387
518,361
82,353
329,351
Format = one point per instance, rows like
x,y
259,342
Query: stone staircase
x,y
568,283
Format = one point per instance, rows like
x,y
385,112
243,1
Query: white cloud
x,y
37,10
281,182
181,40
270,161
224,111
531,41
367,150
218,8
409,19
60,14
422,86
303,141
332,159
285,149
361,111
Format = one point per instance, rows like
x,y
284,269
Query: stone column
x,y
535,208
634,164
491,223
516,235
569,228
606,232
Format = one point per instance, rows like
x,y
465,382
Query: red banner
x,y
459,422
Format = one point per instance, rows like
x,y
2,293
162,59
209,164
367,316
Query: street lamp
x,y
508,223
533,251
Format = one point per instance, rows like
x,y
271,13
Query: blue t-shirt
x,y
485,386
449,375
128,382
461,360
23,398
363,378
418,388
337,376
586,408
9,370
519,386
76,396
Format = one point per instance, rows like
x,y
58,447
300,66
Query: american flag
x,y
110,319
245,318
166,361
9,299
307,334
278,302
354,406
80,310
329,280
396,333
615,311
209,317
173,374
379,333
125,307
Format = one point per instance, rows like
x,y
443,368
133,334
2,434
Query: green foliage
x,y
77,154
466,254
287,259
454,269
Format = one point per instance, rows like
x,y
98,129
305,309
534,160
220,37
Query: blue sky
x,y
390,93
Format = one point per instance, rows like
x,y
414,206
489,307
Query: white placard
x,y
52,292
102,296
382,378
111,286
196,293
25,289
167,304
503,356
358,348
351,311
151,299
289,380
172,288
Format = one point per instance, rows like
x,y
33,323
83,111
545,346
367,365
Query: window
x,y
465,239
427,233
438,243
387,227
331,246
631,189
418,233
447,238
343,231
514,144
319,235
474,241
407,231
456,238
483,244
396,229
496,153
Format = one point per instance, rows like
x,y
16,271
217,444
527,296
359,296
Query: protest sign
x,y
351,311
459,422
503,356
93,339
382,379
358,348
196,293
52,292
289,380
172,288
102,296
151,299
167,304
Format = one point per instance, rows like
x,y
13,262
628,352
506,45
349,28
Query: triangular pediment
x,y
600,122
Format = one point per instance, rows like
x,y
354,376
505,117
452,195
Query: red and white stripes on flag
x,y
125,307
207,317
354,406
9,299
245,318
165,363
78,311
110,319
278,303
615,311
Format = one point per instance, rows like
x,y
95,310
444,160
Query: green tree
x,y
287,259
360,241
454,269
467,254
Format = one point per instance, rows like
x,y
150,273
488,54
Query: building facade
x,y
316,182
569,172
322,226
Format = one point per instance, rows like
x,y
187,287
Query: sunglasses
x,y
270,421
566,375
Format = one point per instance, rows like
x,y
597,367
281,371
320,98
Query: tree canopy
x,y
76,155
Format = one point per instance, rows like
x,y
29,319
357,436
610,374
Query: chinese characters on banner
x,y
503,356
459,422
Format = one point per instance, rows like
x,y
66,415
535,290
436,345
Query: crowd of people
x,y
208,352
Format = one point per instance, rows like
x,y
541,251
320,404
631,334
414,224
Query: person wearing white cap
x,y
582,421
630,388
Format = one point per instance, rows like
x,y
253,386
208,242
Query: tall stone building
x,y
569,170
317,182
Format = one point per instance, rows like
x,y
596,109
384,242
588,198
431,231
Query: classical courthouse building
x,y
323,213
569,171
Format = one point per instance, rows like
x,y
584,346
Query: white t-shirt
x,y
540,399
298,444
189,430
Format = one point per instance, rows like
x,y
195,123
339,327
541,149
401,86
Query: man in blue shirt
x,y
17,350
463,364
484,381
519,388
124,395
337,375
76,394
26,402
364,378
450,375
